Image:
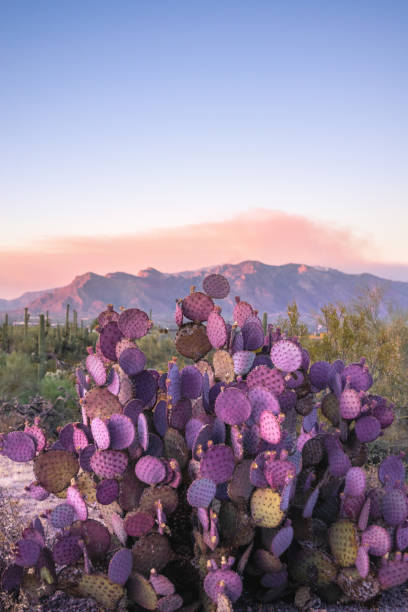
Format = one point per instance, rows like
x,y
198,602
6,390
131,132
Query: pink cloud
x,y
272,237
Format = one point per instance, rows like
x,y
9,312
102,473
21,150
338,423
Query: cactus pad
x,y
120,566
109,463
192,341
216,286
367,428
138,523
12,577
102,589
216,330
343,542
223,581
54,469
132,361
232,406
265,508
141,592
269,427
66,551
109,336
201,492
286,356
243,361
191,382
134,323
150,470
151,551
271,379
121,431
223,366
19,446
99,402
394,507
107,491
218,463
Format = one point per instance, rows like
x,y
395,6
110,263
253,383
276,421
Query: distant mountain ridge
x,y
268,288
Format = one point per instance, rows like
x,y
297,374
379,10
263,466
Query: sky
x,y
181,134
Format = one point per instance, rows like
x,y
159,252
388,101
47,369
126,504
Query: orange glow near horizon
x,y
271,237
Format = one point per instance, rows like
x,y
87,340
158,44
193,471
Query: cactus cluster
x,y
243,471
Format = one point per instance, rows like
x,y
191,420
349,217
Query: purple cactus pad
x,y
201,492
121,431
19,446
134,323
120,566
150,470
107,491
218,463
216,286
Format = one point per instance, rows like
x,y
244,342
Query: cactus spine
x,y
41,347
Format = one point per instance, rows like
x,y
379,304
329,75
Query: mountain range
x,y
268,288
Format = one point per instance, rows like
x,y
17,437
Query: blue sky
x,y
120,117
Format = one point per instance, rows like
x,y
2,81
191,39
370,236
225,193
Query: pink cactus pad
x,y
143,431
197,306
242,311
201,492
121,431
120,566
355,482
134,323
269,427
376,540
96,369
37,434
218,463
362,562
216,330
100,432
216,286
36,491
223,581
232,406
109,463
286,355
350,404
75,499
243,361
107,315
150,470
262,399
271,379
113,382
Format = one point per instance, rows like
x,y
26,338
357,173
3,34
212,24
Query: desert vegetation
x,y
236,462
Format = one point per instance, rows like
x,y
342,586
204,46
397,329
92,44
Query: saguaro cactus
x,y
41,347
